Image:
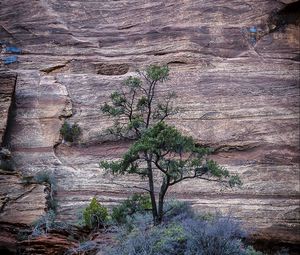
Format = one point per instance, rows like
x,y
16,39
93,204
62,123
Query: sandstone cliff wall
x,y
234,65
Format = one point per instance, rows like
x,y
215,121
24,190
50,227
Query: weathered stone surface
x,y
20,206
238,91
55,244
7,82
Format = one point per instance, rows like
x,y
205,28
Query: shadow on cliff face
x,y
79,66
5,251
290,14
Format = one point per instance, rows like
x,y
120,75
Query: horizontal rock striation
x,y
234,66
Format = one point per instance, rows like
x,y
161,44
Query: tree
x,y
159,153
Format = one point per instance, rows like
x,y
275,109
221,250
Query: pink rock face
x,y
234,67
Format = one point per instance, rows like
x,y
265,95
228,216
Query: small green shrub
x,y
135,204
95,215
70,133
172,240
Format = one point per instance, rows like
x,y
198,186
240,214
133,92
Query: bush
x,y
43,224
182,233
217,236
95,215
177,211
135,204
140,221
70,133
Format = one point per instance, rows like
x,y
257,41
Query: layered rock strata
x,y
235,67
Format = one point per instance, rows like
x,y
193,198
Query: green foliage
x,y
172,240
139,114
95,215
184,234
157,73
70,132
136,100
135,204
176,155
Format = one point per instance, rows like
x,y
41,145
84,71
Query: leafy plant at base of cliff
x,y
135,204
95,215
184,235
70,133
160,153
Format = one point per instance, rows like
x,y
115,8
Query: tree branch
x,y
198,177
131,187
158,166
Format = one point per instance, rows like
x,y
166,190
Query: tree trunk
x,y
151,188
160,209
162,193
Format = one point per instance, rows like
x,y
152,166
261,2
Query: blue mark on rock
x,y
13,49
10,60
253,29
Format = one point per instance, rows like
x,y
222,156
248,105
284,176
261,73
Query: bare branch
x,y
130,187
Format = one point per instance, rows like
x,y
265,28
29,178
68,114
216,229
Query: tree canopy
x,y
140,114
